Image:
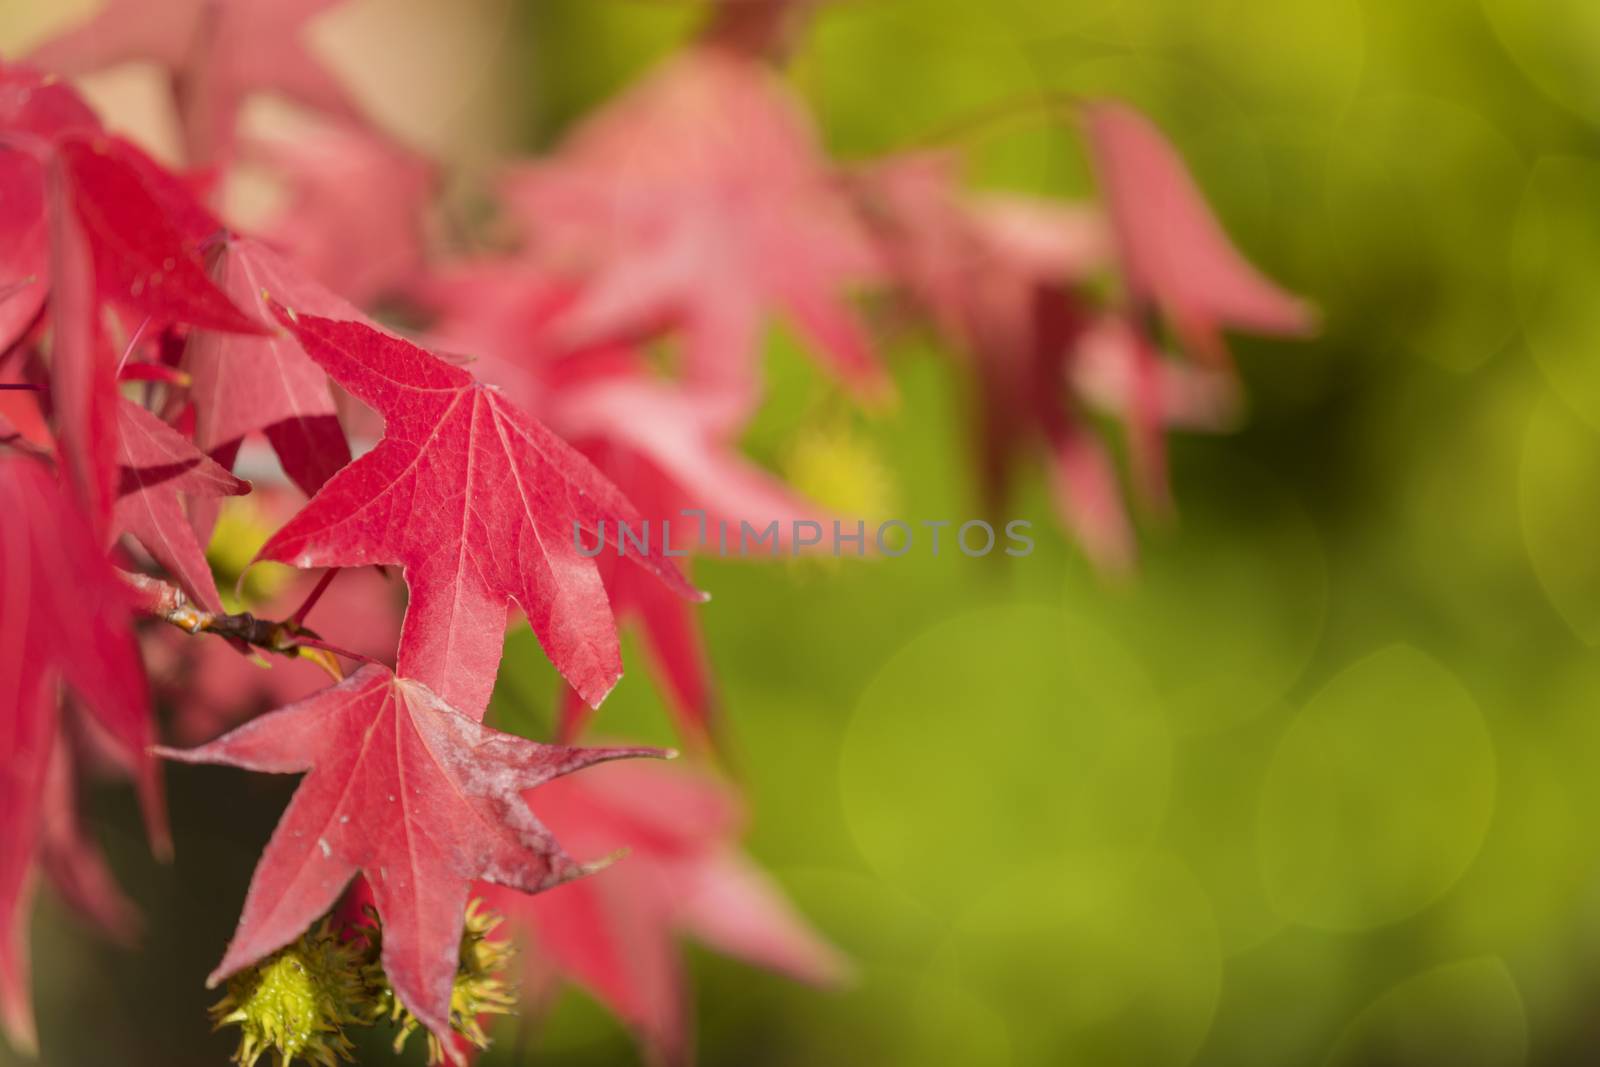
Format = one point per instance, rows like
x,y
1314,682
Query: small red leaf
x,y
1175,253
158,464
141,238
245,384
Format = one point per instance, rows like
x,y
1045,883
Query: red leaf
x,y
409,792
64,617
158,463
354,213
24,246
83,387
702,196
246,384
477,501
668,450
1175,253
999,276
41,104
217,53
617,932
142,234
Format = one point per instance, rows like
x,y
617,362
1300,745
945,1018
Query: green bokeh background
x,y
1316,785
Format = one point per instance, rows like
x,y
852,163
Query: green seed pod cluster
x,y
480,988
299,1002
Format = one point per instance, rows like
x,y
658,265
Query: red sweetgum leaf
x,y
244,384
218,54
1174,251
70,859
24,246
158,463
410,793
83,387
142,229
64,618
355,210
477,501
701,197
617,933
668,449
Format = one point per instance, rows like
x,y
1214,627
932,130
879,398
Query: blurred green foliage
x,y
1312,786
1315,785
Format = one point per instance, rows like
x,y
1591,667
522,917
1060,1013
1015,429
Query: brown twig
x,y
159,600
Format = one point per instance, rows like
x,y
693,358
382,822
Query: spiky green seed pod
x,y
480,987
841,468
297,1002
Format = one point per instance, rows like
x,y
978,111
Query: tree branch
x,y
159,600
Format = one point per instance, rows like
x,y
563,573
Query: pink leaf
x,y
158,464
247,384
1175,253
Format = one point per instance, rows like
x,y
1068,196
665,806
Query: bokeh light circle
x,y
1466,1014
998,737
1379,795
1095,961
1560,506
1556,264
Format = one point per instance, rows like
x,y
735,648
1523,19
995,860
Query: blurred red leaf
x,y
1175,254
701,197
354,214
616,933
669,449
64,618
218,53
245,384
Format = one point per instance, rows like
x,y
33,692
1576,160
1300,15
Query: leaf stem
x,y
168,603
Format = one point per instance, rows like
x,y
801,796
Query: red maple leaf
x,y
617,932
414,795
64,618
669,450
1008,280
244,384
701,197
354,211
1005,295
218,53
158,463
479,503
107,226
128,240
1175,255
